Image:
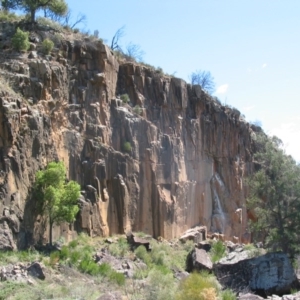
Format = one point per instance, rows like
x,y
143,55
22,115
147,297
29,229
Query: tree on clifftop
x,y
58,7
58,198
274,200
204,79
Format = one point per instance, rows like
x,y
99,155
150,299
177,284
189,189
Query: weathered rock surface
x,y
185,166
266,274
198,259
196,234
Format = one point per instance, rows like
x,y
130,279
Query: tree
x,y
274,198
116,39
66,19
58,7
10,4
134,52
58,198
204,79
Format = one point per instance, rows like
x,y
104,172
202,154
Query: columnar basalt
x,y
177,161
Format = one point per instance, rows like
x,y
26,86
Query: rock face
x,y
266,274
175,161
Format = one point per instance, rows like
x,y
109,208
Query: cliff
x,y
176,160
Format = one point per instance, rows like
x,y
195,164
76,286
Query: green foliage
x,y
127,147
141,253
137,110
10,289
47,46
163,257
228,295
161,286
119,249
52,24
252,250
274,197
217,251
6,16
20,40
198,286
125,98
58,198
13,257
57,7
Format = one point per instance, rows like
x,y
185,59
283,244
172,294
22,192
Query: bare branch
x,y
204,79
134,52
116,38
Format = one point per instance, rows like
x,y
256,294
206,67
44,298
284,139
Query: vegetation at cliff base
x,y
58,198
274,200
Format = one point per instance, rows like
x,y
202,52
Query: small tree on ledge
x,y
58,198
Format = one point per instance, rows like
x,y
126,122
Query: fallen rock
x,y
35,270
204,245
249,296
196,234
268,274
136,241
198,259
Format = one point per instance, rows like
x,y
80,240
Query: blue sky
x,y
251,47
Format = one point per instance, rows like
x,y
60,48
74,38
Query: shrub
x,y
47,46
137,110
218,250
127,147
198,286
161,286
142,254
49,23
125,98
252,250
120,248
116,277
228,295
20,40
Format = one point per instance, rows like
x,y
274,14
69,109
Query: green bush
x,y
119,249
20,40
228,295
125,98
217,251
127,147
47,46
87,265
142,254
116,277
198,286
161,286
137,110
49,23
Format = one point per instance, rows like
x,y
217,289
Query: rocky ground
x,y
139,267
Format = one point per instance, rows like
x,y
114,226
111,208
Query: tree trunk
x,y
50,232
32,15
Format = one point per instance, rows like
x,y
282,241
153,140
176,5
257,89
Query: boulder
x,y
36,270
196,234
249,296
204,245
198,259
136,241
268,274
